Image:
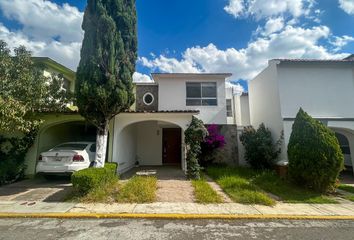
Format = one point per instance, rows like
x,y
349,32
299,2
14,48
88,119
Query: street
x,y
173,229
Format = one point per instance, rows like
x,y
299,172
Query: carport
x,y
57,129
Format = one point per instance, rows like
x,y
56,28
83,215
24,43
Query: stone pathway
x,y
175,191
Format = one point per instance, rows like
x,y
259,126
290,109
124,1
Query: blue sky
x,y
236,36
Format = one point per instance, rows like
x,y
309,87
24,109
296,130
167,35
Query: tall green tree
x,y
24,93
108,55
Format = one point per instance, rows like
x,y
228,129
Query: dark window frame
x,y
202,100
229,112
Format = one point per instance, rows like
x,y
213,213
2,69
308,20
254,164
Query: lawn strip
x,y
139,189
204,193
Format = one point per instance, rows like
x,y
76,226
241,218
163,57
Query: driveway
x,y
36,190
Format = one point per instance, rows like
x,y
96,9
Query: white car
x,y
66,158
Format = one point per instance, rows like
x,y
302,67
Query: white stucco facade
x,y
324,89
172,95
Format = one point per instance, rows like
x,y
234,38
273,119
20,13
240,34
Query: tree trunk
x,y
101,145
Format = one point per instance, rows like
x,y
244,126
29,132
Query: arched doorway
x,y
149,143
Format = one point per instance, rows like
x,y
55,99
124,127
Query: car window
x,y
71,146
93,148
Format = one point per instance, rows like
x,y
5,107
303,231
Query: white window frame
x,y
201,94
152,96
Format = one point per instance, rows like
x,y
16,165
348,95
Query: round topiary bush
x,y
315,157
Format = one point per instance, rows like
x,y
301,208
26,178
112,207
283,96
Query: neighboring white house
x,y
323,88
152,132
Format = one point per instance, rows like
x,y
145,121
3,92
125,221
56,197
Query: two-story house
x,y
323,88
152,132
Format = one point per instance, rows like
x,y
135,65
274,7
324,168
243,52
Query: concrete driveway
x,y
38,190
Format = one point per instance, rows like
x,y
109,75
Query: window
x,y
228,108
201,94
148,98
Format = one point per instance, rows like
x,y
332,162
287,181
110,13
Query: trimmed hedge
x,y
90,178
315,157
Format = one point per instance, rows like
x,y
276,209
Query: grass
x,y
235,182
350,198
288,192
245,185
204,193
346,188
138,189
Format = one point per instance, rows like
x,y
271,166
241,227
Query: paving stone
x,y
103,208
37,207
336,209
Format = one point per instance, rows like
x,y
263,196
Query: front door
x,y
171,146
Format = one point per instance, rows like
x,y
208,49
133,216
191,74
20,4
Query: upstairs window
x,y
228,108
201,94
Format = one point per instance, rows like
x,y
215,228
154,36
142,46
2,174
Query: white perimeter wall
x,y
172,96
264,103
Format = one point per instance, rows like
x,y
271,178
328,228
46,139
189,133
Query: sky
x,y
233,36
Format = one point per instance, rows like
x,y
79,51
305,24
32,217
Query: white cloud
x,y
235,7
65,53
47,29
245,63
269,8
273,25
340,42
238,89
44,20
141,78
347,6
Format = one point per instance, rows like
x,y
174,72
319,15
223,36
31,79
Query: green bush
x,y
315,157
90,178
194,136
260,150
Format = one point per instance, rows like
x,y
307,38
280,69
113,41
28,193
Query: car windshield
x,y
70,146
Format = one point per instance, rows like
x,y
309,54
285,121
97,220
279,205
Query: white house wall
x,y
126,148
149,147
242,109
172,96
322,90
264,103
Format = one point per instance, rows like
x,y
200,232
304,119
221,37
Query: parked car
x,y
66,158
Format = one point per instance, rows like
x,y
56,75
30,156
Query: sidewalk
x,y
176,210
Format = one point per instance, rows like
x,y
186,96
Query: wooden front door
x,y
171,146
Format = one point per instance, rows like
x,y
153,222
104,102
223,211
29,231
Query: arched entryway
x,y
346,141
150,143
57,133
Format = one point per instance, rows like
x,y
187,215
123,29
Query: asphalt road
x,y
173,229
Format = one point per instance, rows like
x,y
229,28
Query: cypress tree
x,y
315,157
104,76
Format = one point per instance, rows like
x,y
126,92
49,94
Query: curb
x,y
169,216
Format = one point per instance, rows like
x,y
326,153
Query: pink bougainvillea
x,y
214,140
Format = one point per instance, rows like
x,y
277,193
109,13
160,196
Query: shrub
x,y
90,178
212,142
260,149
194,135
315,157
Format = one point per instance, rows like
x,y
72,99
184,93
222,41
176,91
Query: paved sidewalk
x,y
180,208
